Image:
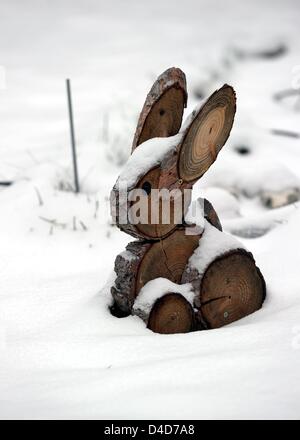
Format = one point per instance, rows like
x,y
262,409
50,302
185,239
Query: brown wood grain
x,y
171,314
231,288
162,112
181,168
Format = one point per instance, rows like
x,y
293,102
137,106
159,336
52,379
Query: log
x,y
126,268
231,288
171,314
158,229
162,112
221,281
167,258
205,134
145,261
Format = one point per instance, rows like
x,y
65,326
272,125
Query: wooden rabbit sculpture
x,y
166,161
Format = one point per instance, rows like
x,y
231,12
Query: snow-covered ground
x,y
61,352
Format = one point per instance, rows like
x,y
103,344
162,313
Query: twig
x,y
83,225
96,208
53,222
271,52
287,133
39,196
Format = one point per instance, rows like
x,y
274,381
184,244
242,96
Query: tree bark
x,y
126,267
162,112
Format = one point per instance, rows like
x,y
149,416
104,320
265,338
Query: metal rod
x,y
73,143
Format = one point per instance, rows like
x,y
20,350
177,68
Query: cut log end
x,y
165,212
207,134
162,113
165,117
167,258
171,314
158,226
231,288
144,261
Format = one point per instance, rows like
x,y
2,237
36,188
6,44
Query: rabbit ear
x,y
162,113
206,134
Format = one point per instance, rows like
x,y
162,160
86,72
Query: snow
x,y
148,155
211,244
255,178
62,353
151,153
155,289
127,255
224,202
255,225
187,122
